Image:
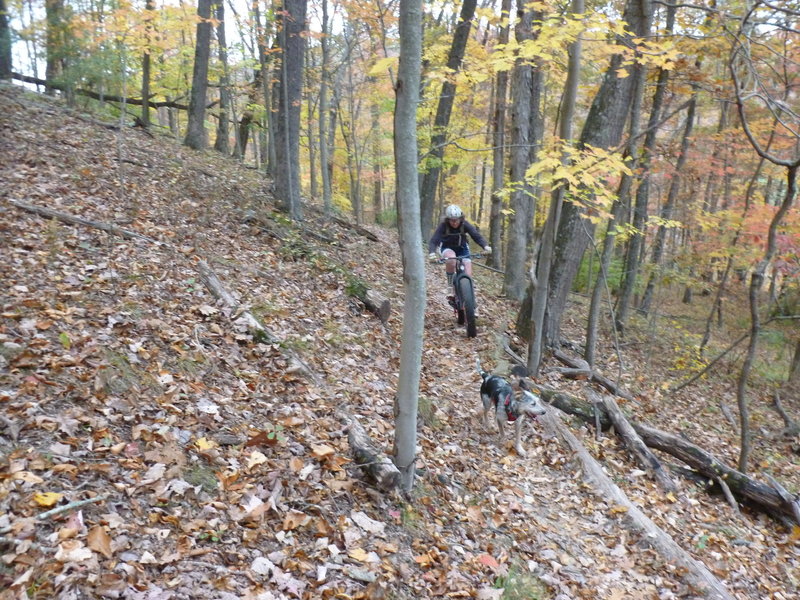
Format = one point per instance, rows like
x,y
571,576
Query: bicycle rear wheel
x,y
467,306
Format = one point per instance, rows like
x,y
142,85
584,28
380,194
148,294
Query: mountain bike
x,y
463,298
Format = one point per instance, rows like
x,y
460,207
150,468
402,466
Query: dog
x,y
508,408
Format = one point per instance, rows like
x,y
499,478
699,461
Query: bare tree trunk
x,y
222,143
408,215
5,43
287,175
602,129
756,281
54,43
149,14
514,281
442,119
498,148
632,257
323,111
669,205
541,277
196,136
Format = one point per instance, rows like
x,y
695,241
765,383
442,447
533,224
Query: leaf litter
x,y
194,461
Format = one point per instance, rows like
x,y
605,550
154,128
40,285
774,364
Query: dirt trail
x,y
534,509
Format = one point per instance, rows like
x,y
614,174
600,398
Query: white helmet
x,y
454,212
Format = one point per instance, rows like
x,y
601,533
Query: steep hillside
x,y
150,447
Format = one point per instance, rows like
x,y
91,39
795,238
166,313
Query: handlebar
x,y
441,260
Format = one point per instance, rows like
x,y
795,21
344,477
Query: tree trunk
x,y
54,43
498,148
287,139
149,15
442,119
602,129
323,112
196,131
408,215
632,257
756,281
222,141
695,572
646,459
669,205
5,43
514,280
540,278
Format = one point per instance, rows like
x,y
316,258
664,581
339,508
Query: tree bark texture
x,y
196,136
498,147
5,42
602,129
408,215
287,176
222,143
378,467
515,280
442,119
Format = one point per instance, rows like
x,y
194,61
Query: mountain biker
x,y
451,239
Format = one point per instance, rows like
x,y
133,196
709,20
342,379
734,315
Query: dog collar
x,y
510,413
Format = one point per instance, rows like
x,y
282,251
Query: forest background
x,y
681,179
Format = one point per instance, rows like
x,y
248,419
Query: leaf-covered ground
x,y
212,466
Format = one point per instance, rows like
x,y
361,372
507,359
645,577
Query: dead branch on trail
x,y
760,496
695,572
646,459
254,326
67,218
581,370
378,467
346,224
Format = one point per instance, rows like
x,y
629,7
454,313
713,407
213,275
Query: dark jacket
x,y
455,238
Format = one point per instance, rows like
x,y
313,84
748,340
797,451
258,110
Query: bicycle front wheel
x,y
467,295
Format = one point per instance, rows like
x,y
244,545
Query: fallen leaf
x,y
99,541
322,450
295,519
204,443
72,551
47,499
358,554
255,458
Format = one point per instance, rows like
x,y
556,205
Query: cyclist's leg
x,y
449,265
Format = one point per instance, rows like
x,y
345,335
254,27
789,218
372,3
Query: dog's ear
x,y
524,385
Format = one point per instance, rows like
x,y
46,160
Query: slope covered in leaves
x,y
215,465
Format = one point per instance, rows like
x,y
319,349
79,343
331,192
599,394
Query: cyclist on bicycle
x,y
451,239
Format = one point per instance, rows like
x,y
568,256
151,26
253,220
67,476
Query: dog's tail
x,y
481,372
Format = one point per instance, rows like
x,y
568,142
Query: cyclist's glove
x,y
488,249
432,256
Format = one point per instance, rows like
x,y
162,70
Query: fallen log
x,y
378,467
646,459
694,571
73,220
758,495
253,325
580,368
377,304
344,223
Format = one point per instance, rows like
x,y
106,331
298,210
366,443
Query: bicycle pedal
x,y
452,302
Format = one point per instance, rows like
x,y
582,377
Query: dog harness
x,y
510,413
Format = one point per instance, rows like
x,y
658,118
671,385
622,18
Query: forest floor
x,y
212,466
